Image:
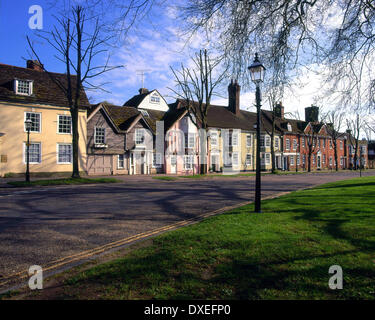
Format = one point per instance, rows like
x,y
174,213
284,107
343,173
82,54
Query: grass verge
x,y
66,181
283,253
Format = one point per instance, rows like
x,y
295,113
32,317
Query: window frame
x,y
40,153
191,162
123,161
40,121
137,130
58,124
58,153
30,88
96,135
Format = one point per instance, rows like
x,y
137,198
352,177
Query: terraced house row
x,y
146,135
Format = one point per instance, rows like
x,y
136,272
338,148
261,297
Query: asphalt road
x,y
40,226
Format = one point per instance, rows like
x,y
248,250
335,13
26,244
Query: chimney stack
x,y
312,114
143,90
234,97
279,110
34,65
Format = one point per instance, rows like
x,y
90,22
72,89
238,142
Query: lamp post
x,y
257,75
28,124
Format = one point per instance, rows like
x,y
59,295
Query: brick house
x,y
304,139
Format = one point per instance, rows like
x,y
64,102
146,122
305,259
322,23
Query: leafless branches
x,y
196,86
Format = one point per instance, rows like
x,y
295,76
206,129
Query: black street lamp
x,y
257,75
28,124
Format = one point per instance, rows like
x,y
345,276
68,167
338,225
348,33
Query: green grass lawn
x,y
64,181
283,253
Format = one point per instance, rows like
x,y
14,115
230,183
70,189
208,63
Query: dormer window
x,y
155,98
145,113
23,87
289,127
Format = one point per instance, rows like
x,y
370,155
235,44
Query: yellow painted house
x,y
30,93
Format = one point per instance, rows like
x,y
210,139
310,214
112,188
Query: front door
x,y
173,164
132,164
285,163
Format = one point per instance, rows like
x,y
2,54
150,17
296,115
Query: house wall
x,y
12,117
104,161
174,146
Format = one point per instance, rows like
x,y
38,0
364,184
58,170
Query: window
x,y
304,159
248,140
234,139
188,162
330,161
262,141
213,137
139,136
120,161
291,160
267,158
276,143
324,159
24,87
324,143
64,124
287,144
99,135
330,144
341,144
294,144
248,159
64,153
190,143
235,159
268,141
145,113
298,160
35,155
289,127
363,149
156,160
35,121
303,142
342,161
313,159
154,98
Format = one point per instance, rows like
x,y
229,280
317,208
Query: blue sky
x,y
153,46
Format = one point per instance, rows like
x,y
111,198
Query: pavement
x,y
58,227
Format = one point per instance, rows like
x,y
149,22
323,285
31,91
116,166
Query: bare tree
x,y
77,46
335,120
299,31
196,86
354,127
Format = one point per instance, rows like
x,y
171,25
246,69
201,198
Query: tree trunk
x,y
75,142
309,162
335,146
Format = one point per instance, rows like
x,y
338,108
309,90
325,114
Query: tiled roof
x,y
122,117
222,117
45,91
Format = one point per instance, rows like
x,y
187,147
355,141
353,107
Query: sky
x,y
152,48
